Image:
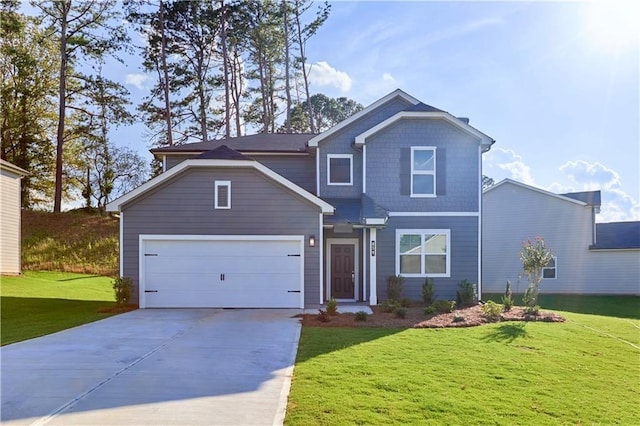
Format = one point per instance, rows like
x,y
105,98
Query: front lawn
x,y
40,303
584,371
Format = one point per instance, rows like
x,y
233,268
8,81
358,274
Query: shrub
x,y
400,312
534,256
332,307
405,302
507,298
466,294
492,310
361,316
458,318
388,306
444,306
123,287
532,310
428,292
394,287
322,316
430,310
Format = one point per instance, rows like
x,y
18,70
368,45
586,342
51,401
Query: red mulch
x,y
117,309
416,318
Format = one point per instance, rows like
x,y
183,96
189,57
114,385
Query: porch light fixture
x,y
373,248
312,241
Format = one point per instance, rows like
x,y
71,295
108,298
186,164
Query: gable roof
x,y
116,205
420,107
508,181
222,152
592,198
313,142
261,142
617,235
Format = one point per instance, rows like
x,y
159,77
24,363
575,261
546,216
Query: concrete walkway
x,y
155,367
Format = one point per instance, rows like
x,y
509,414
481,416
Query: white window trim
x,y
422,172
329,157
422,232
216,203
555,268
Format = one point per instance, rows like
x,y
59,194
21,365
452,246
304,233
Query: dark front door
x,y
342,271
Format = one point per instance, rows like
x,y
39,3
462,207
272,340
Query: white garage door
x,y
221,272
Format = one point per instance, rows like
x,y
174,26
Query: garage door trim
x,y
163,237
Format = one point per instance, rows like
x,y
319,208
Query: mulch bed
x,y
117,309
416,318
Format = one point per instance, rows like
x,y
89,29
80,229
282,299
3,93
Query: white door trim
x,y
356,266
142,238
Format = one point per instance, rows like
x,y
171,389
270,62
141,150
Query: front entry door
x,y
342,271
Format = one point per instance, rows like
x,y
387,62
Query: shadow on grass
x,y
507,332
82,278
24,318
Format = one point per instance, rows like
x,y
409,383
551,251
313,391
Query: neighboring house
x,y
589,257
291,220
10,217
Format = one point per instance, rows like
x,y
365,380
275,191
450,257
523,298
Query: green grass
x,y
613,306
584,371
71,241
40,303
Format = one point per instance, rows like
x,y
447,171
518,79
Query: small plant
x,y
430,310
444,306
388,306
466,294
400,312
428,292
122,287
532,310
361,316
332,307
492,310
322,316
458,318
534,256
394,287
405,302
507,298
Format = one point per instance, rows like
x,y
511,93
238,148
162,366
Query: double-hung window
x,y
550,271
423,171
222,195
423,252
339,169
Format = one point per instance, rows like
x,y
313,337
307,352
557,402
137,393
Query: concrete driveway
x,y
155,367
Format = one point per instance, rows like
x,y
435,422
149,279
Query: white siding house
x,y
514,212
10,176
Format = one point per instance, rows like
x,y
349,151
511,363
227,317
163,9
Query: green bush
x,y
123,287
405,302
322,316
507,297
361,316
394,287
532,310
430,310
389,305
444,306
400,312
458,318
428,292
466,293
492,310
332,307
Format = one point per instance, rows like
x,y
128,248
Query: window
x,y
423,252
549,271
222,194
423,171
339,169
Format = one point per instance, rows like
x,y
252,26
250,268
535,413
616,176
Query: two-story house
x,y
291,220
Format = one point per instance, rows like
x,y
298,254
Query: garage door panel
x,y
222,273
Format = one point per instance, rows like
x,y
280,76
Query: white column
x,y
373,290
364,263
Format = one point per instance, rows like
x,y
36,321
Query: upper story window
x,y
550,271
423,171
222,198
423,252
339,169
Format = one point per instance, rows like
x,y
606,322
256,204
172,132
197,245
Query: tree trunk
x,y
57,199
287,60
305,75
225,69
165,72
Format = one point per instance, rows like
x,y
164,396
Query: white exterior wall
x,y
612,272
9,222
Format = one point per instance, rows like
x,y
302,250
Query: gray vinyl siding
x,y
463,252
10,223
457,166
513,214
341,143
184,206
299,169
175,159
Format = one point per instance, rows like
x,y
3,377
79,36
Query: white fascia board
x,y
433,214
159,155
116,205
484,140
5,165
533,188
313,142
375,221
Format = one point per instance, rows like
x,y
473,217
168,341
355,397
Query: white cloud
x,y
387,77
323,74
136,80
505,163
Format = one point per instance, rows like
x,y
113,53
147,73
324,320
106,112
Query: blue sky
x,y
556,84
